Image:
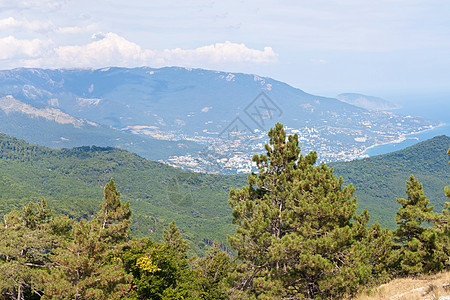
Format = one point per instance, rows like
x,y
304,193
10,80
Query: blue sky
x,y
388,48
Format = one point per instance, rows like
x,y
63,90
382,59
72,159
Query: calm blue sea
x,y
435,108
410,140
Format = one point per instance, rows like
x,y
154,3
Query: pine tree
x,y
88,263
297,235
442,226
213,271
447,188
114,216
174,241
26,238
418,245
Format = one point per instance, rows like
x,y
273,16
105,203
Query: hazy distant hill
x,y
367,102
187,113
379,180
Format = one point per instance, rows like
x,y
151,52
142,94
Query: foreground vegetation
x,y
298,235
71,182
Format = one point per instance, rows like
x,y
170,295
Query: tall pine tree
x,y
418,244
26,239
443,228
88,262
114,216
297,235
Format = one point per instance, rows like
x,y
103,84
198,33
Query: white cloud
x,y
29,4
220,53
106,50
113,50
12,24
75,29
11,48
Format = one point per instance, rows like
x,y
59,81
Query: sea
x,y
434,108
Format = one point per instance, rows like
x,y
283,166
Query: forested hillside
x,y
298,233
379,180
72,181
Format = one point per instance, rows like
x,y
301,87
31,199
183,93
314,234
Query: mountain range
x,y
195,119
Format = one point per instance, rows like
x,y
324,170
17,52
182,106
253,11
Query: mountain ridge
x,y
367,102
196,110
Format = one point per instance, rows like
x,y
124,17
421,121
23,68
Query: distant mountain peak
x,y
367,102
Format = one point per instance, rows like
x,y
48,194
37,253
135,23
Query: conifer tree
x,y
442,226
88,262
213,271
25,240
443,229
114,216
419,250
174,241
297,235
447,188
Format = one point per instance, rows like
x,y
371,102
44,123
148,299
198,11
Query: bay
x,y
409,141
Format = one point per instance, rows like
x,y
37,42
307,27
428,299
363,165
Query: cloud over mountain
x,y
111,49
14,24
11,48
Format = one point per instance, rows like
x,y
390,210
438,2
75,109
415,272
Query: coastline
x,y
402,138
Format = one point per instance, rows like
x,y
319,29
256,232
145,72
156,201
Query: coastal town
x,y
332,143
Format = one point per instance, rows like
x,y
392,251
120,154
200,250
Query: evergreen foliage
x,y
447,188
114,216
298,235
442,227
418,248
24,244
212,271
87,264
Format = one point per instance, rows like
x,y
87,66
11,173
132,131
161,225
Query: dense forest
x,y
71,181
381,178
294,230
